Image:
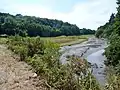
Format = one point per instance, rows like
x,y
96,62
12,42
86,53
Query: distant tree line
x,y
35,26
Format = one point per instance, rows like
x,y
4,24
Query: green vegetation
x,y
113,79
43,56
106,30
67,40
61,40
111,31
3,40
34,26
42,52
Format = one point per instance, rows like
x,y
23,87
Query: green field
x,y
68,40
62,40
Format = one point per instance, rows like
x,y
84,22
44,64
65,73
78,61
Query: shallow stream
x,y
98,67
92,50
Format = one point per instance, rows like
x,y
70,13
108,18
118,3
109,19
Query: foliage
x,y
113,79
43,56
111,31
67,40
113,51
34,26
107,29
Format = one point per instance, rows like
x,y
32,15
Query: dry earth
x,y
17,75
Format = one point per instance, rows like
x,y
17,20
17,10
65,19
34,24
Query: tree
x,y
112,30
107,29
34,26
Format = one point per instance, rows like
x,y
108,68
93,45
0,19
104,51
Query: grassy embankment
x,y
61,40
68,40
43,56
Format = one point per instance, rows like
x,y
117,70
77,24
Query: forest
x,y
35,26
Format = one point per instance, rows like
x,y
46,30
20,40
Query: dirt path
x,y
16,75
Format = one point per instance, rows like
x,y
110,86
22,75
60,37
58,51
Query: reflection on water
x,y
97,62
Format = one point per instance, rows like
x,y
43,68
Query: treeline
x,y
111,31
35,26
107,29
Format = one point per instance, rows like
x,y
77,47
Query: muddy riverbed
x,y
98,67
92,50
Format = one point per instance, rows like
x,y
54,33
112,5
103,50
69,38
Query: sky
x,y
84,13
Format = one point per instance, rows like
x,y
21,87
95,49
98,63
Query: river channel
x,y
92,50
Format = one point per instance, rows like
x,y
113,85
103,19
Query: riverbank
x,y
68,40
16,74
82,50
61,40
92,50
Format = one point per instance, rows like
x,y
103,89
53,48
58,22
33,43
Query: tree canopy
x,y
107,29
35,26
111,31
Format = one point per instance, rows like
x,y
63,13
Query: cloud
x,y
88,14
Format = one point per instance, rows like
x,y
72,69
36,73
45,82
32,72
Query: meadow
x,y
61,40
68,40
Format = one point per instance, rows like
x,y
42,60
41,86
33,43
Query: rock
x,y
3,77
101,66
95,66
99,72
34,75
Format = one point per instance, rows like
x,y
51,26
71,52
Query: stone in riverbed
x,y
89,64
101,66
95,66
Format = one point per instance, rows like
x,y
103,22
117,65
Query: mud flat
x,y
83,50
92,50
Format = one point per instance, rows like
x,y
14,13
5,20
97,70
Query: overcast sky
x,y
84,13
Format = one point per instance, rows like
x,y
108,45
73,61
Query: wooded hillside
x,y
35,26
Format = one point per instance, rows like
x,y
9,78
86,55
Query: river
x,y
97,62
92,50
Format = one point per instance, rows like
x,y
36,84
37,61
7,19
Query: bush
x,y
44,56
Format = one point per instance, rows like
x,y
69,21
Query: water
x,y
92,50
97,64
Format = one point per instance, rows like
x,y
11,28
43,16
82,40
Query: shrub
x,y
44,56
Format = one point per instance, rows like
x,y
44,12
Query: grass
x,y
68,40
61,40
3,40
